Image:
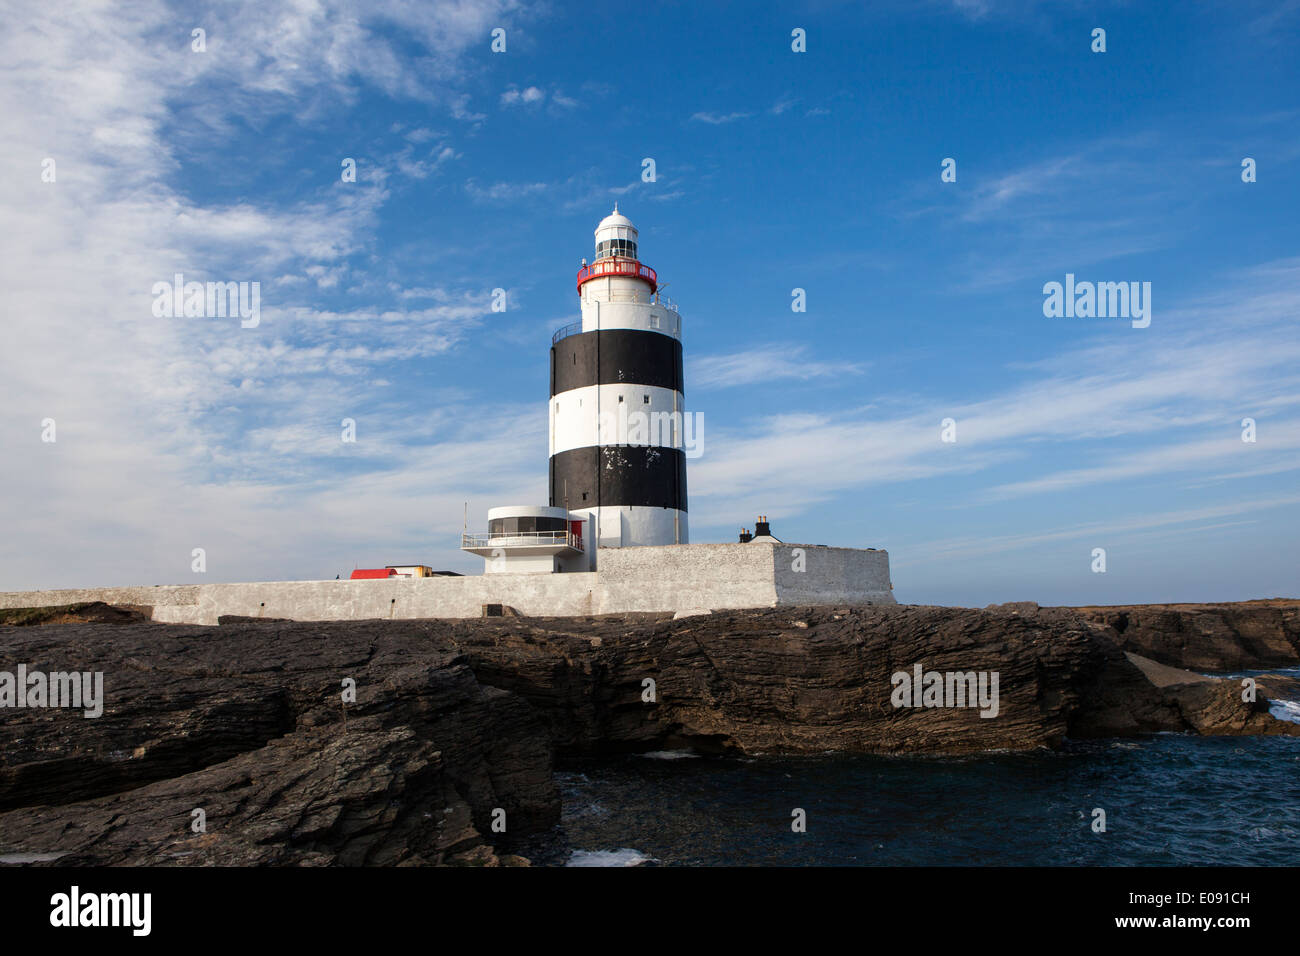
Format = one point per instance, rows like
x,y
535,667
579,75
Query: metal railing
x,y
521,538
618,267
571,329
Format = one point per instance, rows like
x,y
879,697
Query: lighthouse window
x,y
616,247
620,398
645,399
654,321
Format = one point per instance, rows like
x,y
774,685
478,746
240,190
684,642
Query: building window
x,y
525,524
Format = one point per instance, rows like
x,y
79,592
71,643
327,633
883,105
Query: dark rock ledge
x,y
456,721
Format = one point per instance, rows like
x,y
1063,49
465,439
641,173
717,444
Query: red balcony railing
x,y
618,267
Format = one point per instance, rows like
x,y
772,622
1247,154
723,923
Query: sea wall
x,y
667,578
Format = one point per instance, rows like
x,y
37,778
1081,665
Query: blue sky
x,y
775,170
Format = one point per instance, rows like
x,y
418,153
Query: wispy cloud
x,y
1176,406
766,364
182,433
1127,526
717,119
503,192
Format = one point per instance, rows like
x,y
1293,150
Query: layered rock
x,y
248,725
1248,635
809,680
456,721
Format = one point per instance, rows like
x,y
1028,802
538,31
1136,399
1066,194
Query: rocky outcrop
x,y
809,680
1209,705
86,612
1249,635
248,725
455,722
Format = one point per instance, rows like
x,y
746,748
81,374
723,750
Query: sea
x,y
1165,799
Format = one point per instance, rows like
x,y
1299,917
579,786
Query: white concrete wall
x,y
680,577
400,598
661,578
618,302
155,596
516,563
623,525
831,575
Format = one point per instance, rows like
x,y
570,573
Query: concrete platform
x,y
670,578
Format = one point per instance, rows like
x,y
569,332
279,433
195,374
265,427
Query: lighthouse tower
x,y
616,409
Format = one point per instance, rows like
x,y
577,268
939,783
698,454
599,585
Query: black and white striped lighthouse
x,y
616,407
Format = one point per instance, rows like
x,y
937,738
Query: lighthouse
x,y
618,430
617,406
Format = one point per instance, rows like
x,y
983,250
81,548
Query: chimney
x,y
745,535
761,528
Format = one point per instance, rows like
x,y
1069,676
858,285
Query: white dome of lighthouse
x,y
616,236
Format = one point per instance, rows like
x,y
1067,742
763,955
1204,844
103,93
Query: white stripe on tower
x,y
643,414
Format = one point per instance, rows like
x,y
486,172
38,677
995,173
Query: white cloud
x,y
1124,527
717,119
182,433
525,97
502,192
766,364
1169,405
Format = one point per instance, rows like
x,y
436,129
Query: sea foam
x,y
1285,710
620,857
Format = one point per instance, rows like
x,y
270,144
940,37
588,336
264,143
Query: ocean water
x,y
1169,799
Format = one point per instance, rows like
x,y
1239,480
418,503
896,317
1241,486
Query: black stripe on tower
x,y
616,357
619,476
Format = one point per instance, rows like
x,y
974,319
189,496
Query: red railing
x,y
618,267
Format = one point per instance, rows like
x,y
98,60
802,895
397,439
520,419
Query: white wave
x,y
620,857
10,858
669,755
1285,710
